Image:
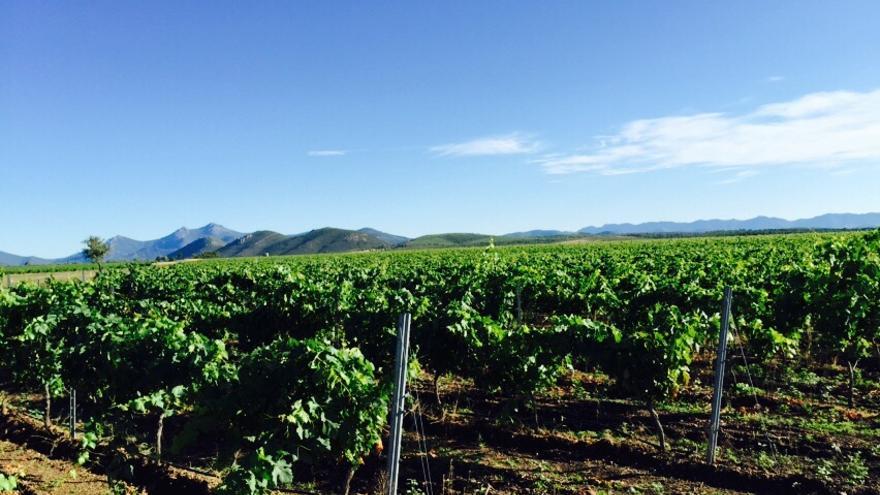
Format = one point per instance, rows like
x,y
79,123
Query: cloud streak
x,y
510,144
327,152
739,177
825,129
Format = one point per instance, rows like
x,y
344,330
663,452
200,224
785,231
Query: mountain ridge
x,y
826,221
197,247
124,248
9,259
185,242
323,240
394,240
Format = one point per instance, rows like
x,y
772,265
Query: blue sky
x,y
417,117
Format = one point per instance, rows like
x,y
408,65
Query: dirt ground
x,y
38,474
790,431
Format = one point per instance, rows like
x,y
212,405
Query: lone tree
x,y
96,249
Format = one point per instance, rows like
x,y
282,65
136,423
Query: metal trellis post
x,y
715,420
398,405
73,413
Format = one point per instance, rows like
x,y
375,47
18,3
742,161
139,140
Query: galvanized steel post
x,y
720,358
398,406
72,414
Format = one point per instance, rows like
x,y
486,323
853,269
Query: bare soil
x,y
792,433
39,474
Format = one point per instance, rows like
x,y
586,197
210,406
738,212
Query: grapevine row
x,y
285,364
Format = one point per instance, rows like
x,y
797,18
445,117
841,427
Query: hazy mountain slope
x,y
15,260
197,247
391,239
328,240
126,249
10,259
539,233
449,240
829,221
839,221
254,244
337,240
121,248
181,237
471,240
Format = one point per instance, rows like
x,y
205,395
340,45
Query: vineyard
x,y
540,369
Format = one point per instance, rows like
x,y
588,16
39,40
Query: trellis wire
x,y
752,389
423,444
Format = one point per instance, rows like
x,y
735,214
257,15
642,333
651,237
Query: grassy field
x,y
11,279
66,267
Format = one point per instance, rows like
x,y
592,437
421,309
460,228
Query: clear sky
x,y
418,117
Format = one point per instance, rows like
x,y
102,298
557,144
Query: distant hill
x,y
471,240
121,248
254,244
829,221
391,239
197,247
448,240
185,243
326,240
539,233
839,221
15,260
126,249
330,240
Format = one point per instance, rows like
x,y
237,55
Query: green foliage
x,y
96,249
744,389
653,359
286,362
8,484
845,293
850,469
517,359
766,461
413,488
258,474
315,400
67,267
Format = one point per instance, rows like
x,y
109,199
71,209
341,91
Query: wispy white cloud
x,y
820,129
739,177
775,79
327,152
509,144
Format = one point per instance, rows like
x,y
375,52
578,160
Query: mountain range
x,y
7,259
326,240
213,238
127,249
828,221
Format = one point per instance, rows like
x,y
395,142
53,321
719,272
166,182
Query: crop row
x,y
282,366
